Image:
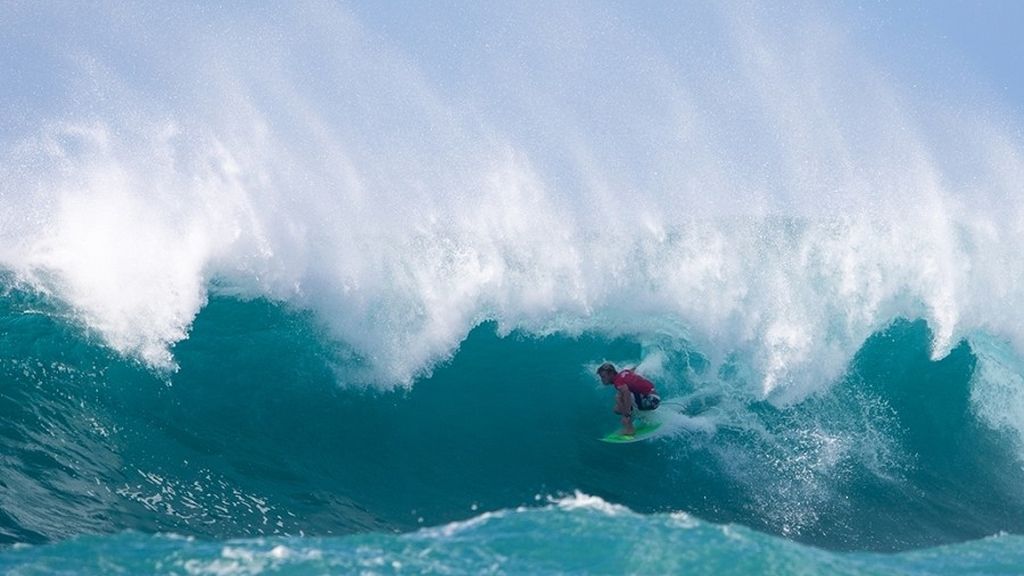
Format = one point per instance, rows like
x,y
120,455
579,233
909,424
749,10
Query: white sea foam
x,y
772,193
581,501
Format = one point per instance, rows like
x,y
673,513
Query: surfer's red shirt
x,y
636,384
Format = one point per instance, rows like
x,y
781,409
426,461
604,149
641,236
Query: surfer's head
x,y
607,372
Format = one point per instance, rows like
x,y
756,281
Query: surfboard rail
x,y
643,430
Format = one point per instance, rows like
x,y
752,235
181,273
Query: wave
x,y
294,271
594,536
258,433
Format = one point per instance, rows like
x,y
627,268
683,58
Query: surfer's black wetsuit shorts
x,y
646,402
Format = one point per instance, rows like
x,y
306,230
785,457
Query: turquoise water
x,y
255,455
572,536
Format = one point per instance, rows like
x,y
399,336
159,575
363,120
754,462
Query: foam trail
x,y
770,194
675,423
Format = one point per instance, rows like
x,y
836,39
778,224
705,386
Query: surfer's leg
x,y
627,426
626,401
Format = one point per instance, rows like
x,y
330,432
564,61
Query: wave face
x,y
320,270
253,435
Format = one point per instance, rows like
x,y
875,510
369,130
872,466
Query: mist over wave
x,y
749,181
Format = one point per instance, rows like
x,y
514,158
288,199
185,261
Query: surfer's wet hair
x,y
606,367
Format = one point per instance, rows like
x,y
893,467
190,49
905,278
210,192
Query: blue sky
x,y
537,71
926,37
911,37
986,35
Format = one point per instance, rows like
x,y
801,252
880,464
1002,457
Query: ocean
x,y
322,288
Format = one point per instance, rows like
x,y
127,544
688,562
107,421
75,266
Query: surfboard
x,y
643,431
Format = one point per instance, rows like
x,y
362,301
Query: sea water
x,y
322,288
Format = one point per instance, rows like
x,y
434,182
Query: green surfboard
x,y
643,430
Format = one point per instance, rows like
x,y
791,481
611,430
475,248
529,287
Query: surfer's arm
x,y
624,406
623,401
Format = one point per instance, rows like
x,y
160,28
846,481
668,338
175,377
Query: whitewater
x,y
322,287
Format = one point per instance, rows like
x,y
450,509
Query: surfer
x,y
631,390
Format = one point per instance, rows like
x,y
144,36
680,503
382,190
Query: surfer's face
x,y
606,377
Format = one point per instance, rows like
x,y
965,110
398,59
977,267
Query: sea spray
x,y
405,206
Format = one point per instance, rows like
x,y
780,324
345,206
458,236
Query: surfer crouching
x,y
631,390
